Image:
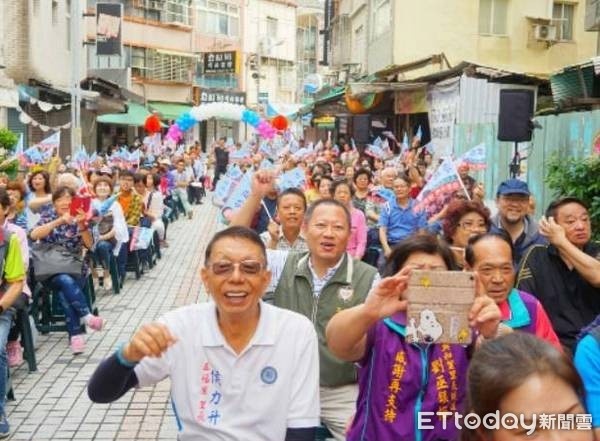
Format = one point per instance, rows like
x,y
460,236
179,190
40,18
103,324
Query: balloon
x,y
280,122
152,124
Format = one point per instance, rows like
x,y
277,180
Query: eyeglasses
x,y
473,226
519,198
247,267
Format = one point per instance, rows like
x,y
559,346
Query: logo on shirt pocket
x,y
268,375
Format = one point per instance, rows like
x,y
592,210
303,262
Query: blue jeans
x,y
6,319
72,299
102,253
122,257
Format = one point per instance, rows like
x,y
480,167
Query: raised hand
x,y
262,182
387,298
552,231
484,314
151,340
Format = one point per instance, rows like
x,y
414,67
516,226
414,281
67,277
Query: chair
x,y
27,338
47,311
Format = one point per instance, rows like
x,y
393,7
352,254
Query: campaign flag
x,y
390,135
353,144
19,146
436,193
474,158
234,172
223,190
241,193
295,178
33,155
294,146
375,151
134,157
266,165
103,207
404,146
240,154
51,142
419,134
229,142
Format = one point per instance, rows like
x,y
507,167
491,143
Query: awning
x,y
169,110
136,116
285,109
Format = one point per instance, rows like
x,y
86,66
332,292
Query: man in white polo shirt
x,y
240,369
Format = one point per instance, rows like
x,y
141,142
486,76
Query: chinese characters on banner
x,y
221,96
443,110
219,62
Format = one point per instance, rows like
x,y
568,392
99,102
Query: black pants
x,y
218,172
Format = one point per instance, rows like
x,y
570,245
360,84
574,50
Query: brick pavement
x,y
52,403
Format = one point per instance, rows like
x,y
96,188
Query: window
x,y
380,18
177,11
286,77
36,7
137,62
493,17
218,17
272,25
563,14
169,67
54,12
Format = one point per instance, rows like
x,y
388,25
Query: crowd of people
x,y
66,226
305,329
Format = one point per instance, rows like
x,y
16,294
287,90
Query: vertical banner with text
x,y
443,109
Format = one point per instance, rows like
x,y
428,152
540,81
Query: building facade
x,y
530,36
270,52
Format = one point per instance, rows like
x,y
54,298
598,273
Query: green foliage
x,y
8,139
579,177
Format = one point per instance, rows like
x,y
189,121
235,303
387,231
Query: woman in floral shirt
x,y
58,226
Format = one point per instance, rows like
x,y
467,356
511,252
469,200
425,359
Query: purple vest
x,y
397,380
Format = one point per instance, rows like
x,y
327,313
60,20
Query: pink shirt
x,y
358,236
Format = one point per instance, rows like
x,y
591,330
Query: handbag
x,y
145,220
50,259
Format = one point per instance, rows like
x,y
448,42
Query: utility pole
x,y
75,71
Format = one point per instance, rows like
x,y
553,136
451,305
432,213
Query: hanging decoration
x,y
233,112
43,105
280,122
28,119
152,124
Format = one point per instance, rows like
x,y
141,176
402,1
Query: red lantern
x,y
280,122
152,124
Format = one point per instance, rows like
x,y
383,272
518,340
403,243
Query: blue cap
x,y
513,186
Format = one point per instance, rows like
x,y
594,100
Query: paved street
x,y
52,403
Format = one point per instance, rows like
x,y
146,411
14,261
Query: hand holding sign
x,y
387,298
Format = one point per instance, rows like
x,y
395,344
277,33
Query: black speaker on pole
x,y
516,112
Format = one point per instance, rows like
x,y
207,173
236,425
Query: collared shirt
x,y
272,385
276,263
283,244
570,301
401,222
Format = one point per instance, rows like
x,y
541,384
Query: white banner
x,y
443,110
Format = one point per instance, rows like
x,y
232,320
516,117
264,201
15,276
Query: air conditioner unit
x,y
544,32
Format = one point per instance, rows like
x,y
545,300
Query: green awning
x,y
169,110
136,116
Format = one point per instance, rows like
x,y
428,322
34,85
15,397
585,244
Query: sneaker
x,y
96,323
191,214
15,353
4,427
77,344
108,284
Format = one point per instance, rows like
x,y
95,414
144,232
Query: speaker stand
x,y
515,163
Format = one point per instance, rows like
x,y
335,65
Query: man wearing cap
x,y
512,200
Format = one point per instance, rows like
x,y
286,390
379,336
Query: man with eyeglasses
x,y
565,275
512,200
490,255
318,284
240,369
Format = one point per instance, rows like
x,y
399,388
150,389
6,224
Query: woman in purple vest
x,y
402,385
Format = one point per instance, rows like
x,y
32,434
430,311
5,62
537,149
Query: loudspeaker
x,y
361,128
516,111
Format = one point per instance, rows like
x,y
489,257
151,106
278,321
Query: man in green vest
x,y
318,284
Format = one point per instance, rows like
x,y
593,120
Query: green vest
x,y
295,292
